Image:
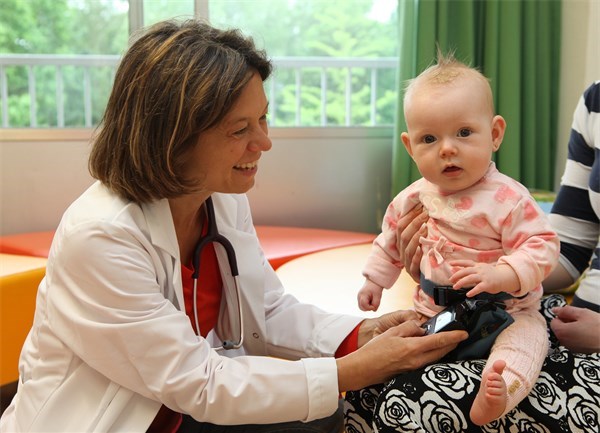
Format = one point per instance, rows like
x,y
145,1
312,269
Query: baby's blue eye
x,y
428,139
464,132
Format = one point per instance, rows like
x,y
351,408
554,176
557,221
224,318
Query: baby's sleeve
x,y
383,265
531,245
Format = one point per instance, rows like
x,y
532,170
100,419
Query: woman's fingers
x,y
399,349
420,351
410,228
410,328
392,320
567,313
462,263
432,346
444,340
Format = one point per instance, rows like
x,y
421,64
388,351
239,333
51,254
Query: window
x,y
158,10
57,60
335,61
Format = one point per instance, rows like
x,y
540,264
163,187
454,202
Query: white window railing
x,y
71,90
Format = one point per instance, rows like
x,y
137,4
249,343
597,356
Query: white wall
x,y
41,172
326,178
312,177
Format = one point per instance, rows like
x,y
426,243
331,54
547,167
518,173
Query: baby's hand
x,y
484,277
369,296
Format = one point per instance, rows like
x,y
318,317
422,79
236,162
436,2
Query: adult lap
x,y
438,398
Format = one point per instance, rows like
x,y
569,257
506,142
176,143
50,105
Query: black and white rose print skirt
x,y
438,398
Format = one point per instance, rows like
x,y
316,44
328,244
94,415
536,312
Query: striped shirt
x,y
576,211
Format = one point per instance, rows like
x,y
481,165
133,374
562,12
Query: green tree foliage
x,y
302,28
59,27
31,26
326,28
63,26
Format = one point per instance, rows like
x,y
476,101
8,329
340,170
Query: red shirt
x,y
208,297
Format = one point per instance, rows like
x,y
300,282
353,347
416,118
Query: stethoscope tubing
x,y
227,344
213,236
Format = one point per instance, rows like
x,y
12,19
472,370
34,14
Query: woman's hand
x,y
577,328
371,328
409,229
390,345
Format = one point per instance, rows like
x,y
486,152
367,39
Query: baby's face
x,y
452,132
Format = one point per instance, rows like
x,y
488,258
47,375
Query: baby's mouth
x,y
451,169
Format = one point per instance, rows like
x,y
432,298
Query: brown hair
x,y
177,80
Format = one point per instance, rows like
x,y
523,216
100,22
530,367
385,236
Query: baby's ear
x,y
406,141
498,129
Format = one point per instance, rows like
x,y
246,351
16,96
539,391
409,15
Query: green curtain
x,y
516,44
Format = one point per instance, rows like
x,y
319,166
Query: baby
x,y
485,231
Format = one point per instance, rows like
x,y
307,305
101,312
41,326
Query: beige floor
x,y
331,279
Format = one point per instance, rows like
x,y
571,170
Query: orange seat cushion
x,y
17,305
35,244
280,244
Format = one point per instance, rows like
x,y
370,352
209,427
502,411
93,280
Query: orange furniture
x,y
19,280
280,244
28,244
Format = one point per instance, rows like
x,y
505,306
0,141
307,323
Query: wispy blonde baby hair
x,y
446,70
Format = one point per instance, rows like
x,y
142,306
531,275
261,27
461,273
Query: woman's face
x,y
226,157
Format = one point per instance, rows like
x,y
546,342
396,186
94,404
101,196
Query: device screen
x,y
442,319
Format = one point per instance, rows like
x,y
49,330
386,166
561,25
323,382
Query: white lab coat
x,y
111,342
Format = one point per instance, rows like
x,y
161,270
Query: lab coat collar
x,y
161,231
160,226
160,221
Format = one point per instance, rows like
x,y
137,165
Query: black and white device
x,y
460,314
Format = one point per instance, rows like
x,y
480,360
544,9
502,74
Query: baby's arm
x,y
484,277
381,270
384,263
531,251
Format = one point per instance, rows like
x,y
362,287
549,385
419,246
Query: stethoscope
x,y
213,236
